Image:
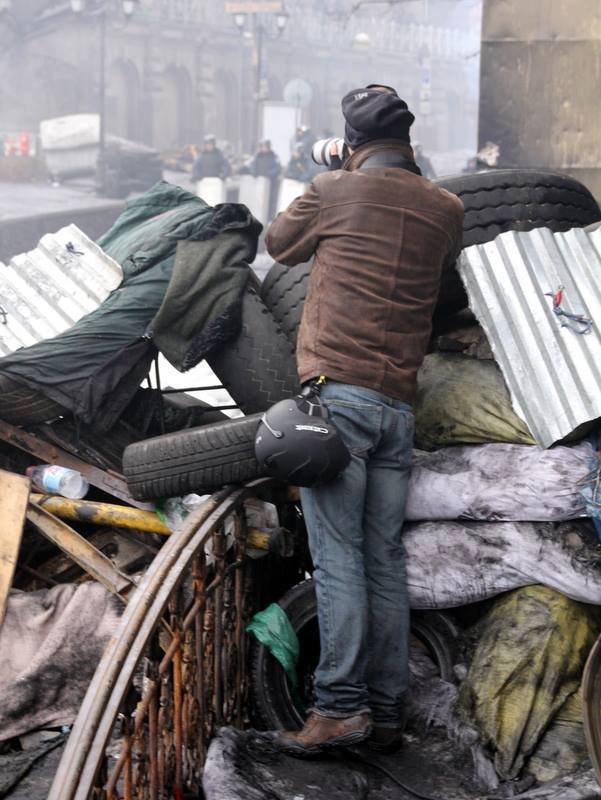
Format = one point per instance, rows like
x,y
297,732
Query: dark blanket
x,y
95,367
201,309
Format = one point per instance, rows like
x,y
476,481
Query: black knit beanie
x,y
374,114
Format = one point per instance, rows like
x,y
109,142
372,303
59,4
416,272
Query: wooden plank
x,y
80,550
51,454
14,496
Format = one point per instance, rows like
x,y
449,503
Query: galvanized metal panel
x,y
45,291
553,373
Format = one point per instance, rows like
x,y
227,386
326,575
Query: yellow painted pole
x,y
102,513
115,516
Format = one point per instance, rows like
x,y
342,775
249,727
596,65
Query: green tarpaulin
x,y
95,367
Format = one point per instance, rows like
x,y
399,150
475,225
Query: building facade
x,y
178,69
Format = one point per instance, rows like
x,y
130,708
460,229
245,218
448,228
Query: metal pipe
x,y
112,515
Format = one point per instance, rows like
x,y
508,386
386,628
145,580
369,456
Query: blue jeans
x,y
354,525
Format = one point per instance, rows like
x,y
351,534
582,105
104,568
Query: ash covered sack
x,y
499,482
451,564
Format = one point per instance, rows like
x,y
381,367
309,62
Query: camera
x,y
321,151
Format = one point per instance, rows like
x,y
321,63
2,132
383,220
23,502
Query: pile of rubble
x,y
501,529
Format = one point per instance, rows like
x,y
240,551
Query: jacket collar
x,y
362,153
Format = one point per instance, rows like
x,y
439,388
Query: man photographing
x,y
380,235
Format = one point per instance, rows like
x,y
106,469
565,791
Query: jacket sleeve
x,y
457,237
293,236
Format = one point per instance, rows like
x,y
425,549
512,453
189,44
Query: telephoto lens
x,y
321,152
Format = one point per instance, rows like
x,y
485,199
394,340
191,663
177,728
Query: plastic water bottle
x,y
59,480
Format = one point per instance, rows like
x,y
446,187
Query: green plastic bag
x,y
273,629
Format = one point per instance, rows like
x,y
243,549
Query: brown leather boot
x,y
324,733
385,740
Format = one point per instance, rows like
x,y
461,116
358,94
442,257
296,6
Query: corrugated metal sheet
x,y
45,291
553,373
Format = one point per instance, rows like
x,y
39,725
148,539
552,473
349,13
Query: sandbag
x,y
498,482
463,400
528,661
451,564
562,747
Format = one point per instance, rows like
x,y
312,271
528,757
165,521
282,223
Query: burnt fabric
x,y
50,644
380,237
372,114
95,367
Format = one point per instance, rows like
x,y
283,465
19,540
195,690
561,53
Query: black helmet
x,y
298,443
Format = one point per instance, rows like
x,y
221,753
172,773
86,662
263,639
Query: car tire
x,y
22,405
273,703
520,200
495,201
258,367
283,291
194,460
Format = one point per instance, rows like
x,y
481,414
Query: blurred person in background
x,y
300,166
211,163
266,164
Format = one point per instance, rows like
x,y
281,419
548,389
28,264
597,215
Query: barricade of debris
x,y
128,606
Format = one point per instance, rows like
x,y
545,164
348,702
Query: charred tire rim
x,y
275,707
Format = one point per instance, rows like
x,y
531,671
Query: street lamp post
x,y
240,12
99,9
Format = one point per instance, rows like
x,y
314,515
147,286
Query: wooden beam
x,y
14,496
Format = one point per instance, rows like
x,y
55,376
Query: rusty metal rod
x,y
153,711
85,748
177,718
239,632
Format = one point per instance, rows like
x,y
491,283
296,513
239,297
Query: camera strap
x,y
389,159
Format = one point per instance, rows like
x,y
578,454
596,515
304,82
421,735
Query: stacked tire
x,y
495,201
22,405
258,368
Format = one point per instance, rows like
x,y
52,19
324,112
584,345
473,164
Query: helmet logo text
x,y
313,428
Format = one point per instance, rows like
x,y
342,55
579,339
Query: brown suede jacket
x,y
380,238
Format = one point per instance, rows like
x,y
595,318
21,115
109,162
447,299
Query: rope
x,y
579,319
